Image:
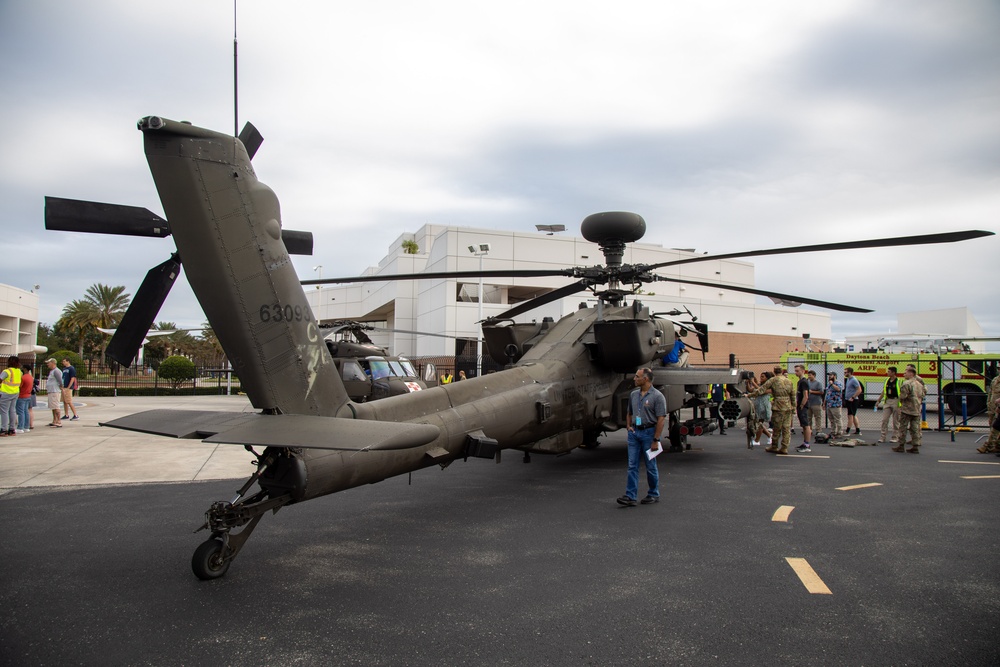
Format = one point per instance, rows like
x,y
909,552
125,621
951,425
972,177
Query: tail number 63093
x,y
275,312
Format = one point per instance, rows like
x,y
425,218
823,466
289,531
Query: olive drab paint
x,y
227,226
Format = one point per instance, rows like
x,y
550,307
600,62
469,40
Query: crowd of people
x,y
776,399
19,395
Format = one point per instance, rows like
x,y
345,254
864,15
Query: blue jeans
x,y
638,443
22,413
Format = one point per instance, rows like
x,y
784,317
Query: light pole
x,y
480,251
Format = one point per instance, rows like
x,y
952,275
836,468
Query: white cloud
x,y
726,124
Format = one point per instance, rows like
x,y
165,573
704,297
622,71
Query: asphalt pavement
x,y
509,564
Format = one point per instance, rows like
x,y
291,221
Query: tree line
x,y
103,306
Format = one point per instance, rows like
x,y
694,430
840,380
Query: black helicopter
x,y
567,380
368,370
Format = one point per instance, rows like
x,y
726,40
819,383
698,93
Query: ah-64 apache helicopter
x,y
567,380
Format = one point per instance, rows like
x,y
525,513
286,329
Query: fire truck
x,y
952,378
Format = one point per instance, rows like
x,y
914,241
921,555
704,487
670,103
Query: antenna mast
x,y
236,81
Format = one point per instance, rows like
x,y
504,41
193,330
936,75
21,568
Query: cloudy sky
x,y
728,125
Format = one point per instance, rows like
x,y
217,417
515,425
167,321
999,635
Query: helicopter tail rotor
x,y
142,311
251,138
74,215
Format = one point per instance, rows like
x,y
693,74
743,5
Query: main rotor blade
x,y
497,273
142,311
76,215
549,297
926,239
421,333
772,295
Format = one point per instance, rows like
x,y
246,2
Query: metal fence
x,y
99,379
941,410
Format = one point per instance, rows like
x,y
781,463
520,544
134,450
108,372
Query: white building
x,y
18,321
924,325
450,306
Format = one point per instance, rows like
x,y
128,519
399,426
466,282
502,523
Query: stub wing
x,y
687,375
307,431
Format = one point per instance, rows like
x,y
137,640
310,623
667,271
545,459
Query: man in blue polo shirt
x,y
647,410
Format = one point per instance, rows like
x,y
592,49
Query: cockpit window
x,y
379,369
408,369
397,368
352,371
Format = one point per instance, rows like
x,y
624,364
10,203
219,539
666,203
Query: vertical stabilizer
x,y
227,226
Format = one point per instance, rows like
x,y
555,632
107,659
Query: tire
x,y
590,439
675,437
207,563
975,399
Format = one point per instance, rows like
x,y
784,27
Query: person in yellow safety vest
x,y
10,387
889,400
446,378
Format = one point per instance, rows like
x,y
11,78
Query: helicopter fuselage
x,y
228,233
545,404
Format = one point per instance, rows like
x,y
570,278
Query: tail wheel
x,y
207,561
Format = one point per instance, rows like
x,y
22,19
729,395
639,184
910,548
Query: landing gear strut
x,y
213,557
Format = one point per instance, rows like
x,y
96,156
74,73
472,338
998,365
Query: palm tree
x,y
101,306
78,317
109,302
213,347
109,305
160,347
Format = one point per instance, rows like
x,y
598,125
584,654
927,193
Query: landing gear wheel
x,y
676,439
590,440
207,560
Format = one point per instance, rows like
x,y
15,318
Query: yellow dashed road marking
x,y
980,476
808,576
781,514
974,463
859,486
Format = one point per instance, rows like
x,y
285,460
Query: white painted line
x,y
781,514
859,486
974,463
804,456
980,476
808,576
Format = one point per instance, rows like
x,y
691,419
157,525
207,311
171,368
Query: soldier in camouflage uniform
x,y
783,391
992,445
911,396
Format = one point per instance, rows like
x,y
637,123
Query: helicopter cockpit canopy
x,y
382,368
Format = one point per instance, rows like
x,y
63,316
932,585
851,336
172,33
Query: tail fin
x,y
227,226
